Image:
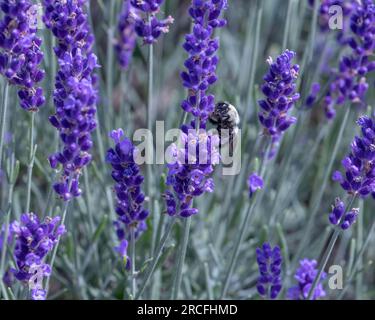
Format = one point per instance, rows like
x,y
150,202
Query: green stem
x,y
30,165
54,253
237,246
109,69
4,111
133,274
327,253
6,226
359,277
322,188
149,167
244,227
181,259
254,58
151,268
284,168
287,24
325,259
357,260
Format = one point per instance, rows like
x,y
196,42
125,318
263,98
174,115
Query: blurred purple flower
x,y
34,240
254,182
305,275
129,196
20,52
126,41
201,64
75,95
311,98
269,262
350,82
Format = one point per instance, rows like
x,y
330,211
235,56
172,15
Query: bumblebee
x,y
225,116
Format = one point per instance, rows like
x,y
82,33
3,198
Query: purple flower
x,y
311,98
122,250
305,276
359,165
190,166
269,262
129,196
201,64
126,41
254,182
349,82
20,53
147,25
340,216
338,210
75,96
279,88
34,240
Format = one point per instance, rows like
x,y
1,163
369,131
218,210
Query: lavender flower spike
x,y
201,64
75,95
34,240
359,165
269,262
20,53
279,88
126,41
190,167
350,82
147,25
129,196
305,276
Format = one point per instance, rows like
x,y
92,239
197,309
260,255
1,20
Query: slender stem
x,y
287,24
6,231
181,259
133,274
151,268
4,110
322,188
30,165
254,58
359,277
325,259
158,232
327,253
310,51
65,210
149,167
358,260
210,293
236,249
109,69
244,227
284,168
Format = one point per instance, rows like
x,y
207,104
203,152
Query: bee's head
x,y
221,109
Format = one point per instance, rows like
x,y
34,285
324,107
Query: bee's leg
x,y
231,142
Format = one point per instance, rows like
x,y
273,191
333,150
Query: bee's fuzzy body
x,y
226,117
